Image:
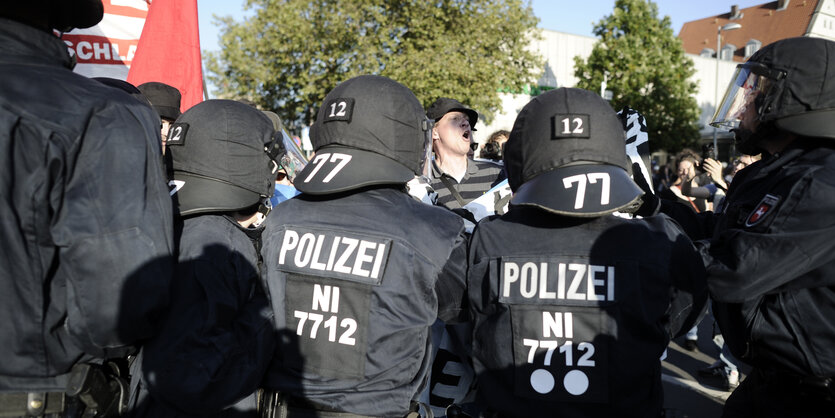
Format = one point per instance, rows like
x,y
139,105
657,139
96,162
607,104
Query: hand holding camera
x,y
707,153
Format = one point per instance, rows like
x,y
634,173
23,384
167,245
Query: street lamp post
x,y
727,27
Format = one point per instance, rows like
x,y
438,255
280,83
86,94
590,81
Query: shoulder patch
x,y
766,205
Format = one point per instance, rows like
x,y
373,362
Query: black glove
x,y
651,204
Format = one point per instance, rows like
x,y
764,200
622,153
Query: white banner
x,y
107,49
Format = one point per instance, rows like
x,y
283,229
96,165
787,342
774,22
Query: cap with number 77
x,y
370,130
566,154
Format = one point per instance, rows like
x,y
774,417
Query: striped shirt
x,y
480,177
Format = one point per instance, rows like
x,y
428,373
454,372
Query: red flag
x,y
169,50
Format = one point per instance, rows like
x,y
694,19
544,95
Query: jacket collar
x,y
472,168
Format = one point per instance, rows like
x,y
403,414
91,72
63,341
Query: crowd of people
x,y
166,264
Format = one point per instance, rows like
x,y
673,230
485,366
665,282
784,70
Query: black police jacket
x,y
770,261
86,224
218,338
572,315
355,281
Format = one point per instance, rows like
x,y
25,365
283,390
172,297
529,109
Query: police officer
x,y
357,269
86,225
218,336
769,256
573,306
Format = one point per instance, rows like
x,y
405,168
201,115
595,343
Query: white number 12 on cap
x,y
319,161
578,126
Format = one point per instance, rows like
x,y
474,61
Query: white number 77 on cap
x,y
321,159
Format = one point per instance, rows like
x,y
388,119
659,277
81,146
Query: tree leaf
x,y
290,53
647,70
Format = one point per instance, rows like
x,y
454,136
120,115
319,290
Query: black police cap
x,y
370,130
444,105
164,98
218,157
566,154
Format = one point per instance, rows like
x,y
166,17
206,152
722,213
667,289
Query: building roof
x,y
766,23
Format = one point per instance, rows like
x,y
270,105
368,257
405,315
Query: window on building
x,y
707,53
728,52
752,46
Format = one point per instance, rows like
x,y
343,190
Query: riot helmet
x,y
224,155
370,130
566,155
786,86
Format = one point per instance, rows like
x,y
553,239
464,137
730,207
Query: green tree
x,y
290,53
646,69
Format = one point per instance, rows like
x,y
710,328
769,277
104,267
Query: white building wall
x,y
558,49
823,21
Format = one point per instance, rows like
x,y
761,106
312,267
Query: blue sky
x,y
579,16
571,16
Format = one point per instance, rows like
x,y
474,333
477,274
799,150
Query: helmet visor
x,y
751,81
293,159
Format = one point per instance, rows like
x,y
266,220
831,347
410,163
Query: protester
x,y
686,189
492,148
455,177
573,307
680,190
86,222
357,269
769,254
744,161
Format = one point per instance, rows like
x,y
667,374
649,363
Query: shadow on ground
x,y
687,394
